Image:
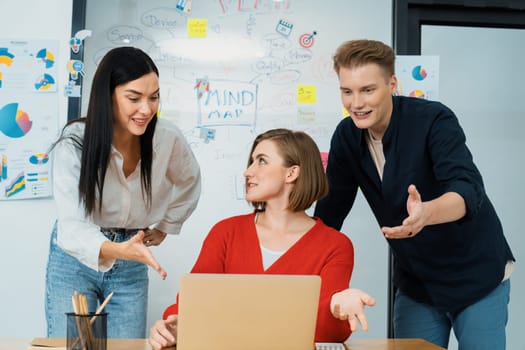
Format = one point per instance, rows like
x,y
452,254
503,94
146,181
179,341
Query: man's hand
x,y
416,220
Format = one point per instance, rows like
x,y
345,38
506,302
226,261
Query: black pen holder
x,y
87,331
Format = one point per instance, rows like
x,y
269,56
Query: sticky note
x,y
197,27
306,94
345,112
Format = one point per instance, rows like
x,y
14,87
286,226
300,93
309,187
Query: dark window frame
x,y
78,22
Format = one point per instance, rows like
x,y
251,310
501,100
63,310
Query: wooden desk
x,y
60,344
142,344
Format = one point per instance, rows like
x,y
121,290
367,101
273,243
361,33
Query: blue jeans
x,y
480,326
127,279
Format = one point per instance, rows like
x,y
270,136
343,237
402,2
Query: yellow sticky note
x,y
197,27
306,94
345,112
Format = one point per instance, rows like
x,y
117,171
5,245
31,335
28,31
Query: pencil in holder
x,y
86,331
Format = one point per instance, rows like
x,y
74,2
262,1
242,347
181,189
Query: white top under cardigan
x,y
175,186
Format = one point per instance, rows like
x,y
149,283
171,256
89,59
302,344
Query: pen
x,y
101,307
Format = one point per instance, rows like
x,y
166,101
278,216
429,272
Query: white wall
x,y
26,224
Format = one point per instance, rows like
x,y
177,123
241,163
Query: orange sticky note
x,y
197,27
306,94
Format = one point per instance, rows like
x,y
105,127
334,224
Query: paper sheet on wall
x,y
28,116
418,76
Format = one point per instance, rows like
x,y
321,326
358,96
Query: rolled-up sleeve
x,y
453,162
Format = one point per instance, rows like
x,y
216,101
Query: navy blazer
x,y
451,265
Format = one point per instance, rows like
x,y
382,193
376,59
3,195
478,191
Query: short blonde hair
x,y
356,53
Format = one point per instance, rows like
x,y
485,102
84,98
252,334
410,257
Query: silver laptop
x,y
241,312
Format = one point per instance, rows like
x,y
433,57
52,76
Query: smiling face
x,y
267,179
366,93
134,105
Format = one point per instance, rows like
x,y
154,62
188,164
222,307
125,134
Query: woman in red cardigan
x,y
284,177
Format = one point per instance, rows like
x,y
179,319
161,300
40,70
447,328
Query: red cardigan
x,y
232,246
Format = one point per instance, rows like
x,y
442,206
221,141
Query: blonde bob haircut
x,y
297,148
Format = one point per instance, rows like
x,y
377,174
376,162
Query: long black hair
x,y
119,66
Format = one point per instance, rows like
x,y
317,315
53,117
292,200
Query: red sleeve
x,y
335,277
171,310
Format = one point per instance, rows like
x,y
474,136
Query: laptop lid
x,y
239,312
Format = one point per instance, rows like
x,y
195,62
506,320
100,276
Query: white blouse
x,y
175,187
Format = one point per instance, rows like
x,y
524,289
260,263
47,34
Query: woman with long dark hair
x,y
123,180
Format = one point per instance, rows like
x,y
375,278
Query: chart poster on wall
x,y
418,76
28,116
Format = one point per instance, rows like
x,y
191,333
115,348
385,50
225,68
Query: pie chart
x,y
47,57
14,122
39,158
6,57
44,82
417,93
419,73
